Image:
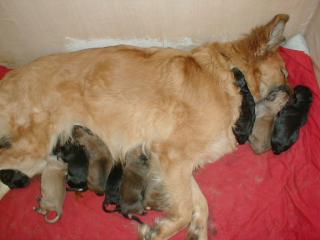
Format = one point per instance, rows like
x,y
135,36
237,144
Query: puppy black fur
x,y
78,165
290,119
112,190
14,178
244,125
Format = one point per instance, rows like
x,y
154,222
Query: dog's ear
x,y
275,29
268,37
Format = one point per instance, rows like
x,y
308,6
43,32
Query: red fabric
x,y
250,197
3,71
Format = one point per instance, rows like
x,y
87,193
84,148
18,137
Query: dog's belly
x,y
221,146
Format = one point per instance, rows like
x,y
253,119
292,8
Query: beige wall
x,y
32,28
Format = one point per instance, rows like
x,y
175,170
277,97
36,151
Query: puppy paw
x,y
146,232
40,210
136,207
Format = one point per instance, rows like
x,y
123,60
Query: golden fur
x,y
181,104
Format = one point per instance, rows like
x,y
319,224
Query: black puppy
x,y
75,156
112,191
290,119
14,178
244,125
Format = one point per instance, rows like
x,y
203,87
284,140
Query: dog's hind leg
x,y
176,175
198,226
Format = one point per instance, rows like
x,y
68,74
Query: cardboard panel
x,y
30,29
313,38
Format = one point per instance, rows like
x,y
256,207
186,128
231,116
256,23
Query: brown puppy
x,y
100,158
266,111
184,104
134,180
53,189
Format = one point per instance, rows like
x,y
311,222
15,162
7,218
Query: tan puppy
x,y
100,159
135,180
53,189
183,104
266,111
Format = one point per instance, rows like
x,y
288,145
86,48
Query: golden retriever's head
x,y
258,56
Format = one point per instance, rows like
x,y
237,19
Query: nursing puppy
x,y
112,193
290,119
244,124
99,158
14,178
134,181
78,165
126,186
128,95
266,111
112,188
53,189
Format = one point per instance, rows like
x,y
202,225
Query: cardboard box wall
x,y
34,28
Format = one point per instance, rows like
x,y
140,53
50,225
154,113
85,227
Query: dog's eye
x,y
284,72
271,97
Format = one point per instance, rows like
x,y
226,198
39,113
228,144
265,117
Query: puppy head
x,y
290,120
302,95
78,164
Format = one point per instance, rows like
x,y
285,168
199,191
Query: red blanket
x,y
250,197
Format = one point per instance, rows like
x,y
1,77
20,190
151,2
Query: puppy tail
x,y
54,220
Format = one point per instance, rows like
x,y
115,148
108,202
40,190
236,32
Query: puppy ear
x,y
268,37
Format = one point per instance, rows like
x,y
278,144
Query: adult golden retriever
x,y
181,104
